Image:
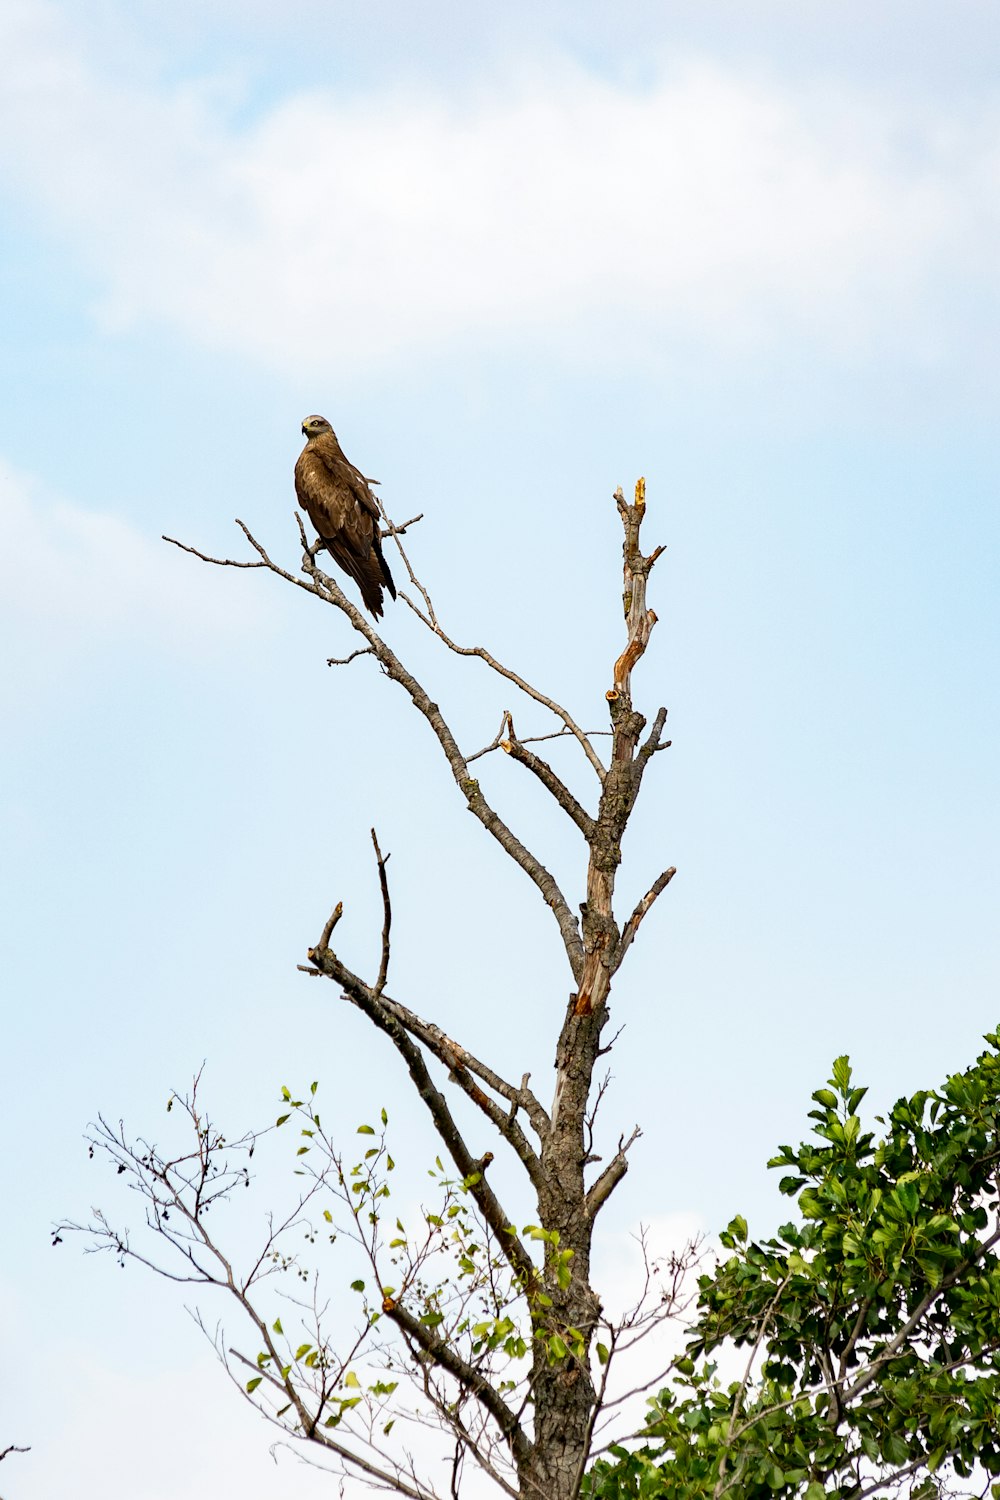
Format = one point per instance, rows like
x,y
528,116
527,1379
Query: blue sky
x,y
518,258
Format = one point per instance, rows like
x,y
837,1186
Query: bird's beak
x,y
304,433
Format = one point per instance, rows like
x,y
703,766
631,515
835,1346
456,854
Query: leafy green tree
x,y
870,1324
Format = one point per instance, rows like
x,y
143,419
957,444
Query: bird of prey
x,y
343,510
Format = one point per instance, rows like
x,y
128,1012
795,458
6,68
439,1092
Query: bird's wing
x,y
340,469
327,502
340,507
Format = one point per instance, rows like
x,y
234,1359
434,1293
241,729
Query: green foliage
x,y
870,1326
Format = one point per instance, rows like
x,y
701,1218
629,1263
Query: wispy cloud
x,y
73,581
714,204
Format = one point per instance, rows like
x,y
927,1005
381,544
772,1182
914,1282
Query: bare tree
x,y
498,1332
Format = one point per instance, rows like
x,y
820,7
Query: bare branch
x,y
475,799
460,1063
534,739
446,1356
651,745
612,1175
380,1014
391,529
640,620
494,743
642,907
342,661
550,781
456,1058
407,564
332,920
556,708
590,1119
387,1479
383,970
219,562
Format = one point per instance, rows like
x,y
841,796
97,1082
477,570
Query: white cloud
x,y
714,204
73,579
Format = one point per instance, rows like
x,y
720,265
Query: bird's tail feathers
x,y
365,573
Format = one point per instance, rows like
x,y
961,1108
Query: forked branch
x,y
513,747
461,1067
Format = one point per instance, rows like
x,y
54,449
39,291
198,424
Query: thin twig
x,y
219,562
494,743
383,968
433,624
341,661
392,530
386,1480
406,563
534,739
447,1358
590,1119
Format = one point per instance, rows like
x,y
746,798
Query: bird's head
x,y
315,427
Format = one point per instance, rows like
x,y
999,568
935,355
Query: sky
x,y
518,256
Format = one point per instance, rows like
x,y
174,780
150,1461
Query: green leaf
x,y
842,1073
365,1130
254,1383
738,1229
281,1119
603,1354
351,1379
276,1326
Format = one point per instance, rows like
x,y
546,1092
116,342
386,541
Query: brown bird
x,y
343,510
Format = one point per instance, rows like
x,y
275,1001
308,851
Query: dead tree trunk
x,y
547,1432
